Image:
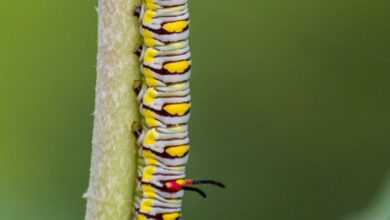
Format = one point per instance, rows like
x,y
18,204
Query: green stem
x,y
113,165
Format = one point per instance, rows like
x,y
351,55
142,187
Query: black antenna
x,y
208,182
203,194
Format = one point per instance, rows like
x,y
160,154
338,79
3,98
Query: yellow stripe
x,y
171,216
177,67
149,173
177,109
150,137
175,27
178,151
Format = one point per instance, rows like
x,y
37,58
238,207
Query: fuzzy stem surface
x,y
113,164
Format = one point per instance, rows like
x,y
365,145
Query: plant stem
x,y
113,165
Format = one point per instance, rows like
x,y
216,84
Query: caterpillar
x,y
164,104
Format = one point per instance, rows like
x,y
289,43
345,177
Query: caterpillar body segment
x,y
165,216
159,75
153,118
158,159
149,190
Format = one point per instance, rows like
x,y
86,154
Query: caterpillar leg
x,y
136,128
137,11
137,86
138,52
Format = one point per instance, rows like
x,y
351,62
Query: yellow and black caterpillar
x,y
165,102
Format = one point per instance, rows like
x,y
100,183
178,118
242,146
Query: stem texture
x,y
113,164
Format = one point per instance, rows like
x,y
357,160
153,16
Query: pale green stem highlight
x,y
113,165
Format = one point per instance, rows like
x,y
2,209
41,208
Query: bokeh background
x,y
291,108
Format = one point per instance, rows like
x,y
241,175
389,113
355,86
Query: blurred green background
x,y
291,107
